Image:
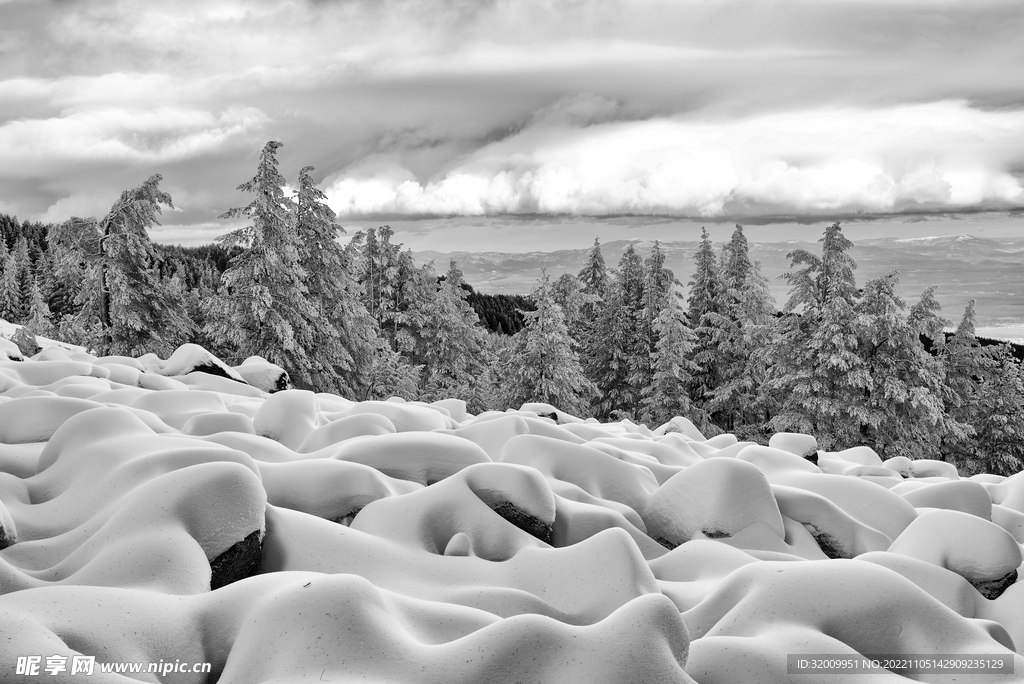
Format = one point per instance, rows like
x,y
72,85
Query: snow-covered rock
x,y
413,542
978,550
263,375
717,498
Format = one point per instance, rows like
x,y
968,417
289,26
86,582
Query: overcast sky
x,y
709,111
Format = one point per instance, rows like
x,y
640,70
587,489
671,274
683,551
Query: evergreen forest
x,y
851,363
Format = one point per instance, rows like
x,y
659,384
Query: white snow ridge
x,y
150,511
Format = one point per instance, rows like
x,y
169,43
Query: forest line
x,y
849,364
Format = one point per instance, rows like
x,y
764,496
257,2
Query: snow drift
x,y
154,510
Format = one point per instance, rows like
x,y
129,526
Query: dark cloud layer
x,y
409,107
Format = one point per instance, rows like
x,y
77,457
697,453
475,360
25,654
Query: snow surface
x,y
405,542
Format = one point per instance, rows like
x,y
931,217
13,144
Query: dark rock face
x,y
993,589
347,519
283,383
524,521
5,539
666,543
26,342
238,562
812,456
214,369
829,545
715,534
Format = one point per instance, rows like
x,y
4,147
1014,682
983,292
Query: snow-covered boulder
x,y
264,375
189,358
983,553
288,417
9,350
717,498
804,446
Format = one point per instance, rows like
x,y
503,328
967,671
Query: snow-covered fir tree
x,y
123,306
903,400
742,332
11,305
345,337
613,342
816,375
657,293
667,395
456,354
39,320
263,309
541,364
984,407
704,312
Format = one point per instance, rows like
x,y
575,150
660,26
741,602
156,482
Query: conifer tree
x,y
11,308
542,365
391,375
667,395
614,342
594,278
344,335
997,445
745,332
264,310
574,302
39,321
974,395
817,378
455,352
737,267
705,310
122,306
22,279
657,295
902,403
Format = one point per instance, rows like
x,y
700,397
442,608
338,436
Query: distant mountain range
x,y
991,271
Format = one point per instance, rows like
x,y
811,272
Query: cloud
x,y
466,106
122,135
938,155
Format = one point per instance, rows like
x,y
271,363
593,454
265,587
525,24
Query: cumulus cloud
x,y
467,107
849,160
123,135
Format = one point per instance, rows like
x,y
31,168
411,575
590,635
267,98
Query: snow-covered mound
x,y
152,510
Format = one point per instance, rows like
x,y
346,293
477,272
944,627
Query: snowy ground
x,y
414,543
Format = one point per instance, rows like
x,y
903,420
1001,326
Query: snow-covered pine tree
x,y
997,445
346,335
380,273
39,321
455,353
705,314
593,277
902,404
737,267
541,364
743,332
657,294
122,306
391,375
613,342
816,379
667,395
23,277
595,284
11,306
264,309
574,302
983,401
